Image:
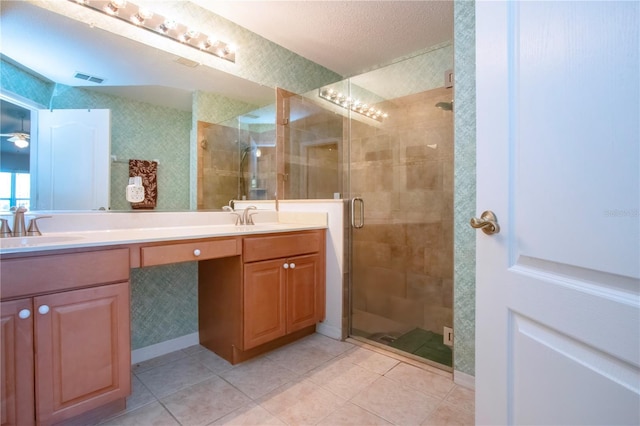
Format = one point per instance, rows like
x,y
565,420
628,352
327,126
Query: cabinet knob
x,y
24,314
285,266
43,309
196,252
292,265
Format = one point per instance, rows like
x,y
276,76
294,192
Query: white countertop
x,y
78,230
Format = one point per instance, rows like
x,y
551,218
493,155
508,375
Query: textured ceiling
x,y
348,37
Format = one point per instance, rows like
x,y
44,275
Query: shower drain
x,y
382,338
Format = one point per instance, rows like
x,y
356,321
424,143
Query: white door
x,y
558,154
73,159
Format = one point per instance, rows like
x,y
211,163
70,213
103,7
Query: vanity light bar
x,y
355,105
144,18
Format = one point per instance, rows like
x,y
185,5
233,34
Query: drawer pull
x,y
292,265
196,252
43,309
285,266
24,314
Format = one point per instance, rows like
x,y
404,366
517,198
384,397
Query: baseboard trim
x,y
465,380
329,331
163,348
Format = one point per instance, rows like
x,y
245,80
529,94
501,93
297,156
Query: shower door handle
x,y
353,212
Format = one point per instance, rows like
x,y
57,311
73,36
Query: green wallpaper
x,y
465,187
19,82
164,303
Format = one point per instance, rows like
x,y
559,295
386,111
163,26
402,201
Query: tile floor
x,y
314,381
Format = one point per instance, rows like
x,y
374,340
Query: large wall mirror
x,y
177,122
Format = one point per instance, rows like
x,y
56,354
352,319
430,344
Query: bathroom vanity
x,y
65,335
66,347
281,298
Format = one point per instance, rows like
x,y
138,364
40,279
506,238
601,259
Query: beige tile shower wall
x,y
218,158
219,153
404,171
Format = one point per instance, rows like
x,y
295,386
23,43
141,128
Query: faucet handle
x,y
239,219
5,231
250,218
33,226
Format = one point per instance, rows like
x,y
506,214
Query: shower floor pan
x,y
418,342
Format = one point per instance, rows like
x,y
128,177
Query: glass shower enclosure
x,y
400,183
383,141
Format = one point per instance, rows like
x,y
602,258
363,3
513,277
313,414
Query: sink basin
x,y
43,240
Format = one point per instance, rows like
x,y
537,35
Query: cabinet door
x,y
83,350
16,363
264,302
305,291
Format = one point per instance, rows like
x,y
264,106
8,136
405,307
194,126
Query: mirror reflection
x,y
237,159
152,120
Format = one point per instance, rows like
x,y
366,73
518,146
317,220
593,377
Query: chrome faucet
x,y
244,218
247,218
19,228
18,222
239,217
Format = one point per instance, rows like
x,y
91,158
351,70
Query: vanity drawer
x,y
56,272
186,252
284,245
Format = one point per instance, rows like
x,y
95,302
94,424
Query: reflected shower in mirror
x,y
237,159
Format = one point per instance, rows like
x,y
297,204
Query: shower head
x,y
445,106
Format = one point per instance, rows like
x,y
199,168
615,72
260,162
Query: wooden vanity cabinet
x,y
16,363
65,353
279,298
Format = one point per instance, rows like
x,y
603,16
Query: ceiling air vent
x,y
186,62
88,77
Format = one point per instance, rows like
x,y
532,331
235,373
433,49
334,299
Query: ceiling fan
x,y
20,139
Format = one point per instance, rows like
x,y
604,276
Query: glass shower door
x,y
401,167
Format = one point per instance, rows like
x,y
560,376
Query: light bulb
x,y
114,5
21,143
167,25
141,16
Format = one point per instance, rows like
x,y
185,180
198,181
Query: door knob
x,y
488,222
